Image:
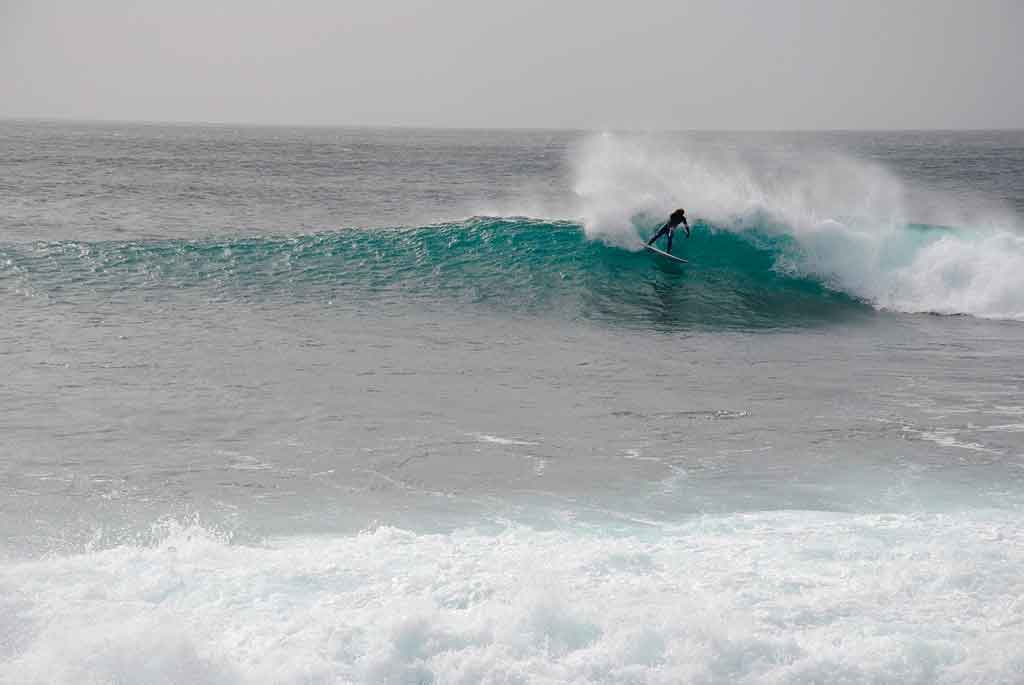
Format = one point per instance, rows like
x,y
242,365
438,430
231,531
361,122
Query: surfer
x,y
675,218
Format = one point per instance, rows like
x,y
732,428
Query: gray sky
x,y
641,64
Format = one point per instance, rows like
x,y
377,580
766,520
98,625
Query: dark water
x,y
318,405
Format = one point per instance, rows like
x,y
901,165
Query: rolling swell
x,y
515,265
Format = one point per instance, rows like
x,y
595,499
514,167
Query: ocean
x,y
326,405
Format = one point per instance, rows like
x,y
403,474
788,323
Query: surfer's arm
x,y
686,225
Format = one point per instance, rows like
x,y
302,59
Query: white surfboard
x,y
652,248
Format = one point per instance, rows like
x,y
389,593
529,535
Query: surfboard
x,y
652,248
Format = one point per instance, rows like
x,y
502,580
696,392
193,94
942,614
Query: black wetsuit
x,y
675,218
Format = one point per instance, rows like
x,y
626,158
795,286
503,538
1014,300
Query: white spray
x,y
848,217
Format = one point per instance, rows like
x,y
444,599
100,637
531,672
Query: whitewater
x,y
394,406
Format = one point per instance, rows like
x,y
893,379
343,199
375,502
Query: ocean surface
x,y
397,406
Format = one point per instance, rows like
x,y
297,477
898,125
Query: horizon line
x,y
434,127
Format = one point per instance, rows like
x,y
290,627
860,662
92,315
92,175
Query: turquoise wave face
x,y
511,265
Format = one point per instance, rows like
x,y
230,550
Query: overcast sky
x,y
636,64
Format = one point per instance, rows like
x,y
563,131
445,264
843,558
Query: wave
x,y
511,264
749,273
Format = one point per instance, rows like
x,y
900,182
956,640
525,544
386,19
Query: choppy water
x,y
325,405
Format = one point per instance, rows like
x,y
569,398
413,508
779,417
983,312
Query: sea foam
x,y
774,597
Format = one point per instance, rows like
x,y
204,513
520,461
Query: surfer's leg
x,y
669,250
663,231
